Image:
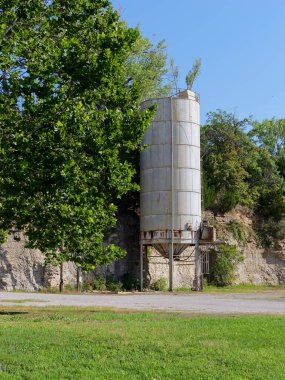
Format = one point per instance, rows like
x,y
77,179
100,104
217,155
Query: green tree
x,y
225,155
146,65
70,122
270,135
245,168
240,167
269,179
281,164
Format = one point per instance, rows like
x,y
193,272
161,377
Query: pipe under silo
x,y
170,198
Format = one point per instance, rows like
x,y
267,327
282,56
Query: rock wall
x,y
20,268
260,265
24,269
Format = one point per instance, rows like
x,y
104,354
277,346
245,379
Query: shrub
x,y
280,230
160,284
238,230
3,236
70,288
52,289
87,285
223,269
269,230
114,286
129,282
99,284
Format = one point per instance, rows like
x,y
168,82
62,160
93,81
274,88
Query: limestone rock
x,y
261,265
25,269
20,268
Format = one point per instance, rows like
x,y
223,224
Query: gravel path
x,y
269,302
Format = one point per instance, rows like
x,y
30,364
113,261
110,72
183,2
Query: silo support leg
x,y
170,267
198,270
141,267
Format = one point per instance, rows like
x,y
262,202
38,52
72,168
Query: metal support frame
x,y
198,266
141,267
78,279
171,266
205,262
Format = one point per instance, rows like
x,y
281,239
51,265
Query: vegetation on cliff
x,y
244,163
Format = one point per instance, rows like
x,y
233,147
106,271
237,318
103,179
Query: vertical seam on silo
x,y
172,182
172,167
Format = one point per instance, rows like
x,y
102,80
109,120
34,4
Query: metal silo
x,y
170,198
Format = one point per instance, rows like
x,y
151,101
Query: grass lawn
x,y
243,288
86,343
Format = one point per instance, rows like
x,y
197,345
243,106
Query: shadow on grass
x,y
13,312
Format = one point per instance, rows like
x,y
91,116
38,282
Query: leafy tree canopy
x,y
225,155
244,167
70,121
270,135
147,67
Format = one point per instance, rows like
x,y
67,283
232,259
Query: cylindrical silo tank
x,y
170,198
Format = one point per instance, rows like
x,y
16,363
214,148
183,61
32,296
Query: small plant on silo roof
x,y
174,75
193,73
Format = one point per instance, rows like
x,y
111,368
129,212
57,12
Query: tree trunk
x,y
61,283
78,280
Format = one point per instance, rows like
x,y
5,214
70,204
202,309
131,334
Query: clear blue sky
x,y
241,44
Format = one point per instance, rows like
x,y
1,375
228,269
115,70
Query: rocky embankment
x,y
24,269
261,265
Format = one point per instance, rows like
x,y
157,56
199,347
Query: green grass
x,y
242,288
96,344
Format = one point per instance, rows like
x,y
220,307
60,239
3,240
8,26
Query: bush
x,y
3,236
280,230
238,230
160,284
87,285
114,286
70,288
223,270
129,282
99,284
52,289
270,230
